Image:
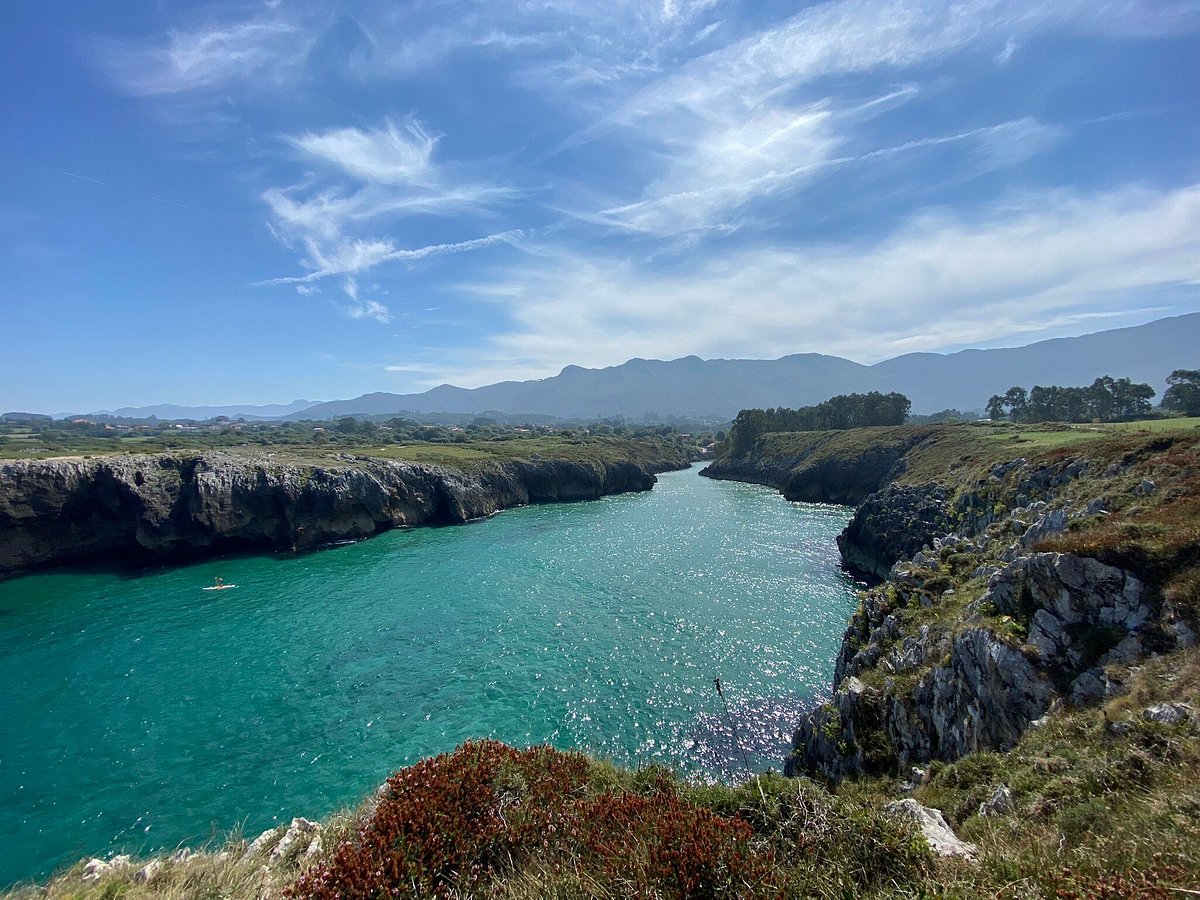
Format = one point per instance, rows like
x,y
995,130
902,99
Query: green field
x,y
649,450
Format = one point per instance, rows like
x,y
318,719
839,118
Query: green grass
x,y
587,450
578,449
946,452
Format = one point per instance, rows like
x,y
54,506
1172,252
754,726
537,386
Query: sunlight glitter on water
x,y
149,713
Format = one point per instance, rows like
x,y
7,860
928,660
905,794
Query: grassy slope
x,y
946,452
589,449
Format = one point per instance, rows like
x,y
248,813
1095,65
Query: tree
x,y
1100,398
1183,395
1016,399
747,428
1132,400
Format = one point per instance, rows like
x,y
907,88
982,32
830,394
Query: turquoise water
x,y
140,712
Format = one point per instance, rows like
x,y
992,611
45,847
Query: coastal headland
x,y
179,505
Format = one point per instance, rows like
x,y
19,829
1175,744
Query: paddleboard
x,y
219,587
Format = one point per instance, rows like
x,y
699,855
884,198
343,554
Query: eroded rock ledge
x,y
975,636
1003,589
177,505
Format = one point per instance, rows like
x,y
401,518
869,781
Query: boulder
x,y
299,835
941,839
1168,713
1145,488
94,869
147,872
1000,803
265,841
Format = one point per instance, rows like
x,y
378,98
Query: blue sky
x,y
255,202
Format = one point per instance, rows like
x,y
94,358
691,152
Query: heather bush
x,y
453,824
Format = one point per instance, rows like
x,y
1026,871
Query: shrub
x,y
452,824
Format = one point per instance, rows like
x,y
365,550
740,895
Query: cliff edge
x,y
1032,572
179,505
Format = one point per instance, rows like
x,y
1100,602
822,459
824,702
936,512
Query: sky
x,y
254,202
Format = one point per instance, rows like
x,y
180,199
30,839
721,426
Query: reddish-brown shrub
x,y
455,822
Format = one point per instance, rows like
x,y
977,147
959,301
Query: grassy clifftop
x,y
845,466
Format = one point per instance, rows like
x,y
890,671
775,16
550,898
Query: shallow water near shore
x,y
143,713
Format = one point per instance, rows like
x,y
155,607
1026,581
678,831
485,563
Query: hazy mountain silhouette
x,y
720,387
243,411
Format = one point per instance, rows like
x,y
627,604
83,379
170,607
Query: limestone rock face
x,y
299,835
1046,627
982,698
264,842
169,506
892,524
975,633
1083,616
829,479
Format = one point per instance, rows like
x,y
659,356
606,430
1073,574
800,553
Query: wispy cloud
x,y
561,44
758,118
939,280
390,154
715,125
268,48
719,180
354,257
375,177
369,309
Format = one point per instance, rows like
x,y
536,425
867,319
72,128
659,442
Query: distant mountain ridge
x,y
241,411
691,386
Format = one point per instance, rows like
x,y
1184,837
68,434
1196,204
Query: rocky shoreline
x,y
994,604
174,506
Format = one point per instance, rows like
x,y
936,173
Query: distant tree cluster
x,y
1105,400
944,416
1183,395
835,414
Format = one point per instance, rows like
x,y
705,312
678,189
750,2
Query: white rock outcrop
x,y
941,838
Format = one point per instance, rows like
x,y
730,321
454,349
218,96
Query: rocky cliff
x,y
824,467
1009,586
1040,582
174,505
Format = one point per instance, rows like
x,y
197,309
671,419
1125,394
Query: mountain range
x,y
650,388
718,388
242,411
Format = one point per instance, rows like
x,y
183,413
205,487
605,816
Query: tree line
x,y
835,414
1106,399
